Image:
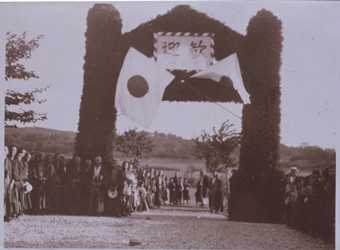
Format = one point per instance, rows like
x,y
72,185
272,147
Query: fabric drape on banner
x,y
140,87
229,67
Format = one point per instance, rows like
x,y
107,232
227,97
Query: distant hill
x,y
51,141
306,158
172,146
167,146
41,139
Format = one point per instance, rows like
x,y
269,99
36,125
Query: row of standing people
x,y
141,189
178,190
211,191
39,184
310,201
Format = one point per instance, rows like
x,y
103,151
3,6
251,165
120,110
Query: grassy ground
x,y
170,166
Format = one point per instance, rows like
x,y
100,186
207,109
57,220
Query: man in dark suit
x,y
211,191
176,184
218,194
158,193
202,188
98,188
63,197
77,179
118,206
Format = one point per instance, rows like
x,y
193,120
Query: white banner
x,y
184,52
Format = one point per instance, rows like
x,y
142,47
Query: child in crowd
x,y
42,193
186,195
142,196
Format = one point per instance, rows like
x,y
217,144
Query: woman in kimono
x,y
186,196
172,191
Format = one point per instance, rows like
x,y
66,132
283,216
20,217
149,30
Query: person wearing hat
x,y
290,177
293,172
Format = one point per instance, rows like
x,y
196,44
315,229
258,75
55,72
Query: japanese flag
x,y
229,67
140,87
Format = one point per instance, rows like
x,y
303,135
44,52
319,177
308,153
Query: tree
x,y
135,144
217,148
204,150
18,48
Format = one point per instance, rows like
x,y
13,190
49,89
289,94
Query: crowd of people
x,y
310,201
51,184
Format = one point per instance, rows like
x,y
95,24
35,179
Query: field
x,y
170,166
186,167
175,148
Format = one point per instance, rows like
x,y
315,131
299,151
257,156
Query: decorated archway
x,y
256,187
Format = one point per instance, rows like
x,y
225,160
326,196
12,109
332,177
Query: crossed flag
x,y
142,82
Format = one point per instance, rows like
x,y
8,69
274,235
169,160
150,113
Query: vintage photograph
x,y
170,124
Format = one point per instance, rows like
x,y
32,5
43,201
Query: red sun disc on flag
x,y
138,86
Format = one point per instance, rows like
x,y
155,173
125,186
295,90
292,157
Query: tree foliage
x,y
217,148
261,62
97,115
166,146
135,144
257,186
18,48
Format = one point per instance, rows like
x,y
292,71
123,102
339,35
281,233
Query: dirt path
x,y
179,227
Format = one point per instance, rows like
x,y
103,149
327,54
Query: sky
x,y
309,71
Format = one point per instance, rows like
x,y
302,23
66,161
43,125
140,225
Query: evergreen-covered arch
x,y
254,197
185,19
